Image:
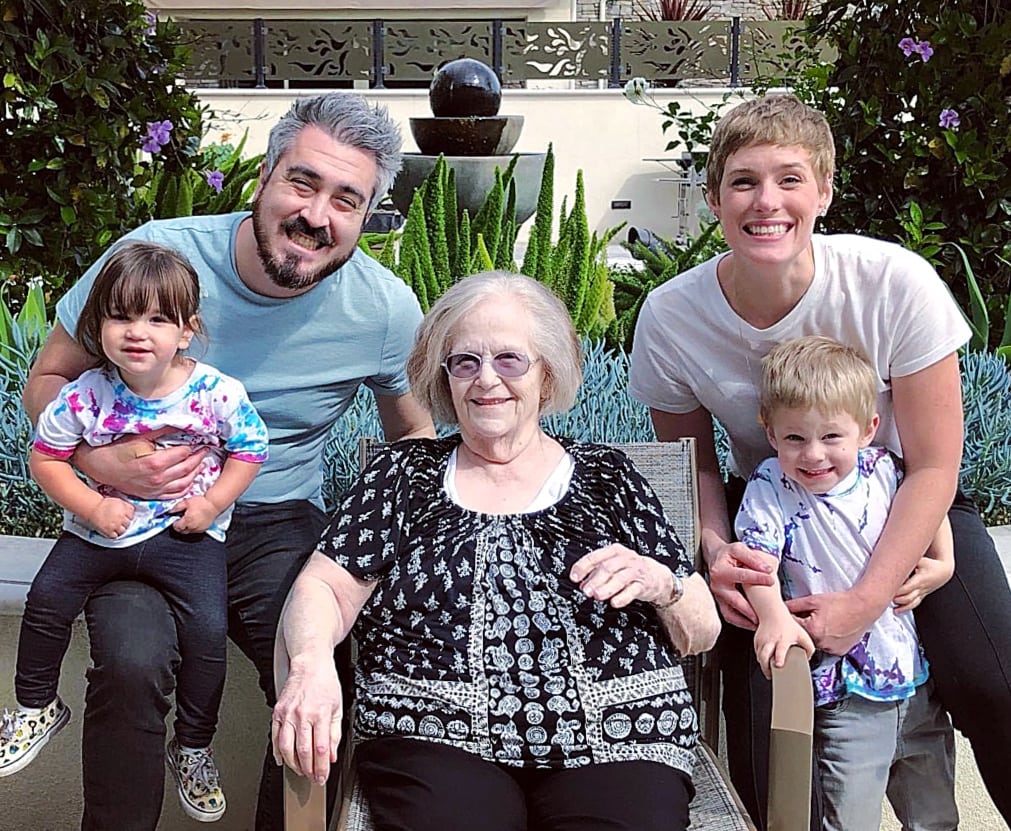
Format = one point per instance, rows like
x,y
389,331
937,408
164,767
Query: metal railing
x,y
263,52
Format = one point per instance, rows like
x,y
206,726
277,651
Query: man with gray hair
x,y
302,317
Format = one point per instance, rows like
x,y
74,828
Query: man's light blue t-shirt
x,y
301,359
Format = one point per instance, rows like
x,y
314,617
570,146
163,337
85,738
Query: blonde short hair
x,y
819,373
781,120
552,333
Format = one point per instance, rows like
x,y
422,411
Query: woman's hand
x,y
929,575
836,621
305,730
137,466
730,566
618,575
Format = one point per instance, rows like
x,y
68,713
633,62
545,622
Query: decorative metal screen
x,y
318,50
578,51
407,53
413,51
222,52
677,51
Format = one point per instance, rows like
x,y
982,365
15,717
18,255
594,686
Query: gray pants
x,y
905,749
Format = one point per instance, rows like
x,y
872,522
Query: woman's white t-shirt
x,y
691,349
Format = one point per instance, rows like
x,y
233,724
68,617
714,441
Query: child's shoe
x,y
196,778
24,732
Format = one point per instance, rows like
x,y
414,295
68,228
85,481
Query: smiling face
x,y
144,347
491,408
768,202
816,450
309,211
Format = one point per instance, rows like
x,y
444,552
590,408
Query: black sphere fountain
x,y
466,128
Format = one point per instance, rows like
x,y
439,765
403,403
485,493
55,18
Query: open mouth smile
x,y
767,230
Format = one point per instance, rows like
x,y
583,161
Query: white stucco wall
x,y
597,131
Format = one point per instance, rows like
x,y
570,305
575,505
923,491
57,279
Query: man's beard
x,y
284,271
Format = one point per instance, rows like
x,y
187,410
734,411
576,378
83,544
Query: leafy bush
x,y
84,84
918,102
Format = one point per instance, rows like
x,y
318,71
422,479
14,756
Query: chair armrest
x,y
790,746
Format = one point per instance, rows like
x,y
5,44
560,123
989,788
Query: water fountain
x,y
466,128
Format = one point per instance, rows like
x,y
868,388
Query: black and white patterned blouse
x,y
476,637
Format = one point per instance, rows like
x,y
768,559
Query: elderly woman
x,y
518,600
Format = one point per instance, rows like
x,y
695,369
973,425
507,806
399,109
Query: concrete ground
x,y
975,808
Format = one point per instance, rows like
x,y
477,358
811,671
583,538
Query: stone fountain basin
x,y
472,135
475,177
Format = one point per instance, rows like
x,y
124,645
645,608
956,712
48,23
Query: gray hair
x,y
553,335
349,119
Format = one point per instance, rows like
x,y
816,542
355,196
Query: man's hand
x,y
198,512
305,729
733,565
137,466
836,621
111,517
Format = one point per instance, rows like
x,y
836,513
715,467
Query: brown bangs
x,y
139,276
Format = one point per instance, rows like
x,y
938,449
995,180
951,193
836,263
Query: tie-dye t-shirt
x,y
823,543
209,409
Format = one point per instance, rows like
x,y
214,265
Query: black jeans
x,y
416,785
135,655
188,570
965,629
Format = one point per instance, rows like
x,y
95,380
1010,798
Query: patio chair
x,y
670,469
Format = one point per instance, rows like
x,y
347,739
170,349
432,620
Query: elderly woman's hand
x,y
305,730
618,575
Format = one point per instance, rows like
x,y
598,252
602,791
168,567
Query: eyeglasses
x,y
467,365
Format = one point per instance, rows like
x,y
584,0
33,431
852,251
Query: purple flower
x,y
909,46
157,136
152,23
216,179
950,119
159,131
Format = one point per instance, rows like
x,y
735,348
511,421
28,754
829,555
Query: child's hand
x,y
929,575
774,639
112,517
198,512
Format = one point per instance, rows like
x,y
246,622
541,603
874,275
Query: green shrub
x,y
83,82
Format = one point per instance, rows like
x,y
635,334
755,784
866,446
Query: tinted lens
x,y
510,364
463,365
468,365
